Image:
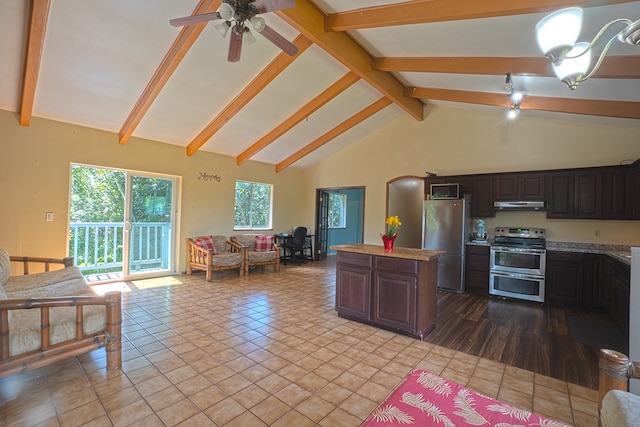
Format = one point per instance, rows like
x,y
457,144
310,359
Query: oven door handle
x,y
516,275
520,250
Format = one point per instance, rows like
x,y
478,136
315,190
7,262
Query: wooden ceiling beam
x,y
264,77
35,43
424,11
183,43
614,67
327,95
334,133
310,22
592,107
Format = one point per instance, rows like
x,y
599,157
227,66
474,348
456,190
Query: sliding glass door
x,y
122,223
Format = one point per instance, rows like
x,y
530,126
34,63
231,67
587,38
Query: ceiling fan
x,y
236,15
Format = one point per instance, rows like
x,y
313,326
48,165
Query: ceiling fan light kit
x,y
557,34
235,15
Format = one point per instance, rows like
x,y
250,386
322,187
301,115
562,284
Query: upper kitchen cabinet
x,y
482,196
574,194
518,186
621,187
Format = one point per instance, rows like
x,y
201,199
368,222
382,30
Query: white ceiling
x,y
99,56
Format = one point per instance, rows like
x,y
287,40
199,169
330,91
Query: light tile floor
x,y
266,349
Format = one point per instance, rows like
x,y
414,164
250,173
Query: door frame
x,y
321,221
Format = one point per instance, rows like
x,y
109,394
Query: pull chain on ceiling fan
x,y
236,15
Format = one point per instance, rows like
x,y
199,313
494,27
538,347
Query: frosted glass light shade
x,y
249,38
226,11
575,65
223,28
558,32
257,23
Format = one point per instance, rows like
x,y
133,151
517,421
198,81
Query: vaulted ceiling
x,y
118,65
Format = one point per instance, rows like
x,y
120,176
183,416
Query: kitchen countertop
x,y
618,252
398,252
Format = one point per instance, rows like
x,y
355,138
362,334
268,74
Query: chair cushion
x,y
620,409
227,259
205,242
263,243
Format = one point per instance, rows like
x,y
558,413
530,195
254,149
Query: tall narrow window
x,y
253,206
337,210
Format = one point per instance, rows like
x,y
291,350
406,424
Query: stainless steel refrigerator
x,y
446,224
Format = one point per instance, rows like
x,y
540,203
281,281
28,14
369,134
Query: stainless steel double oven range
x,y
518,258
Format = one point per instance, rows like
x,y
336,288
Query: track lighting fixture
x,y
515,95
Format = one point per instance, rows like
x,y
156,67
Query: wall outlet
x,y
48,216
597,232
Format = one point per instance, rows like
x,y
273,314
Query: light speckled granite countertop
x,y
619,252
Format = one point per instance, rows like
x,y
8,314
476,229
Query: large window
x,y
253,206
337,210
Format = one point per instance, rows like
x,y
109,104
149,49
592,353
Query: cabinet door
x,y
505,187
620,189
353,291
559,195
594,277
394,297
476,272
563,278
588,195
531,186
482,197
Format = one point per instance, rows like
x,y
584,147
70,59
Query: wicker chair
x,y
254,256
214,253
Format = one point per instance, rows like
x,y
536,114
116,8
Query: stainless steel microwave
x,y
446,191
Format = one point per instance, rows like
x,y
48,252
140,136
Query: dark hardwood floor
x,y
523,334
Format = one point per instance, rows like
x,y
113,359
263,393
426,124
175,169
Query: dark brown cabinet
x,y
574,194
588,194
607,192
477,269
616,292
482,197
394,293
621,187
353,297
518,186
563,278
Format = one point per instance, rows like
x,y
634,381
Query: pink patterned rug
x,y
425,399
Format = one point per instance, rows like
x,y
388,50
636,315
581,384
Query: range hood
x,y
519,206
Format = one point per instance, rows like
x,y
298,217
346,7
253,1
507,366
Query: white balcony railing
x,y
97,247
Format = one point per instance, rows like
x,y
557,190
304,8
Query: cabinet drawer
x,y
478,250
397,265
565,256
354,259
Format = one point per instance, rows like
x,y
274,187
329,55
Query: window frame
x,y
251,226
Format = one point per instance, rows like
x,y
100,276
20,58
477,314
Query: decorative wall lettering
x,y
206,177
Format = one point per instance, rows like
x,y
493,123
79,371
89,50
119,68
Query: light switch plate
x,y
48,216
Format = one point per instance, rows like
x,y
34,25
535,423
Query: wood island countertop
x,y
398,252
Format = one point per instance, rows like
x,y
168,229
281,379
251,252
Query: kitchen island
x,y
391,290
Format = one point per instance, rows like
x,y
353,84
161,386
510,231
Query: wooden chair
x,y
617,407
254,257
214,253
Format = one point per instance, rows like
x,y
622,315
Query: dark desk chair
x,y
296,243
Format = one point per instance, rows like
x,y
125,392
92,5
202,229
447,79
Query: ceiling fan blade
x,y
274,37
235,46
263,6
194,19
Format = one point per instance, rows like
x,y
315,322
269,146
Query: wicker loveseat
x,y
214,253
260,250
53,315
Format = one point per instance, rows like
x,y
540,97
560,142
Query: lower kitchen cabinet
x,y
476,270
563,278
616,292
394,293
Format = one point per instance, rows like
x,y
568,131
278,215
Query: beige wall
x,y
455,141
34,179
